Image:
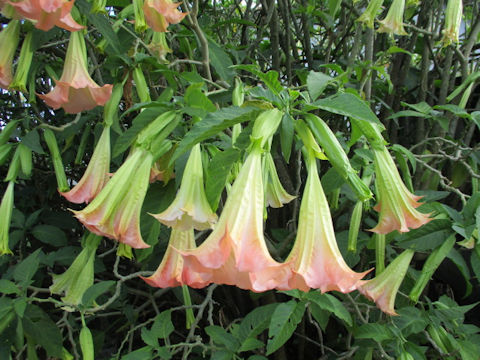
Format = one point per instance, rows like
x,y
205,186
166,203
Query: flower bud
x,y
21,74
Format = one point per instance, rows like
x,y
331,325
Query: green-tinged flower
x,y
9,37
171,271
315,258
98,6
276,195
396,205
125,251
368,16
115,211
79,276
384,287
6,208
190,207
453,20
159,46
393,22
19,81
96,175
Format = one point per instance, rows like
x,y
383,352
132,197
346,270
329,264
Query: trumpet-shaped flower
x,y
393,22
76,91
115,211
171,271
276,195
6,208
396,204
368,16
384,287
453,20
46,14
9,37
96,175
159,46
161,13
315,258
235,252
190,207
79,276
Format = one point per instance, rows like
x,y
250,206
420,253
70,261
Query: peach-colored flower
x,y
76,91
235,252
96,175
396,204
384,287
45,14
9,37
190,209
115,211
161,13
315,258
171,271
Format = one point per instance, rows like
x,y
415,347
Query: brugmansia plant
x,y
239,180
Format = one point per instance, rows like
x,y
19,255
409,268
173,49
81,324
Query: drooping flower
x,y
19,81
161,13
393,22
46,14
6,208
453,20
235,252
384,287
79,276
276,195
190,207
76,91
96,175
9,38
368,16
115,211
159,46
315,258
171,271
396,205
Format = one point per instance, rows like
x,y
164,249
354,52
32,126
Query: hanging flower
x,y
190,207
393,22
46,14
19,81
76,91
171,271
453,20
159,46
384,287
9,38
115,211
368,16
396,204
235,252
96,175
79,276
276,195
315,258
161,13
6,208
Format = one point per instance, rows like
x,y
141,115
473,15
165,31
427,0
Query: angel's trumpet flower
x,y
9,38
190,207
453,20
115,211
76,91
171,271
396,204
46,14
161,13
159,46
96,175
368,16
384,287
315,258
6,208
393,22
276,195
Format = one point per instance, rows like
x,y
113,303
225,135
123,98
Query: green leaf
x,y
95,291
220,61
220,336
270,78
320,315
144,353
105,28
222,355
283,323
330,303
410,320
49,234
348,105
457,110
427,237
148,338
408,154
8,287
459,261
32,141
162,326
213,123
407,113
316,83
28,267
422,107
218,171
253,324
376,332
